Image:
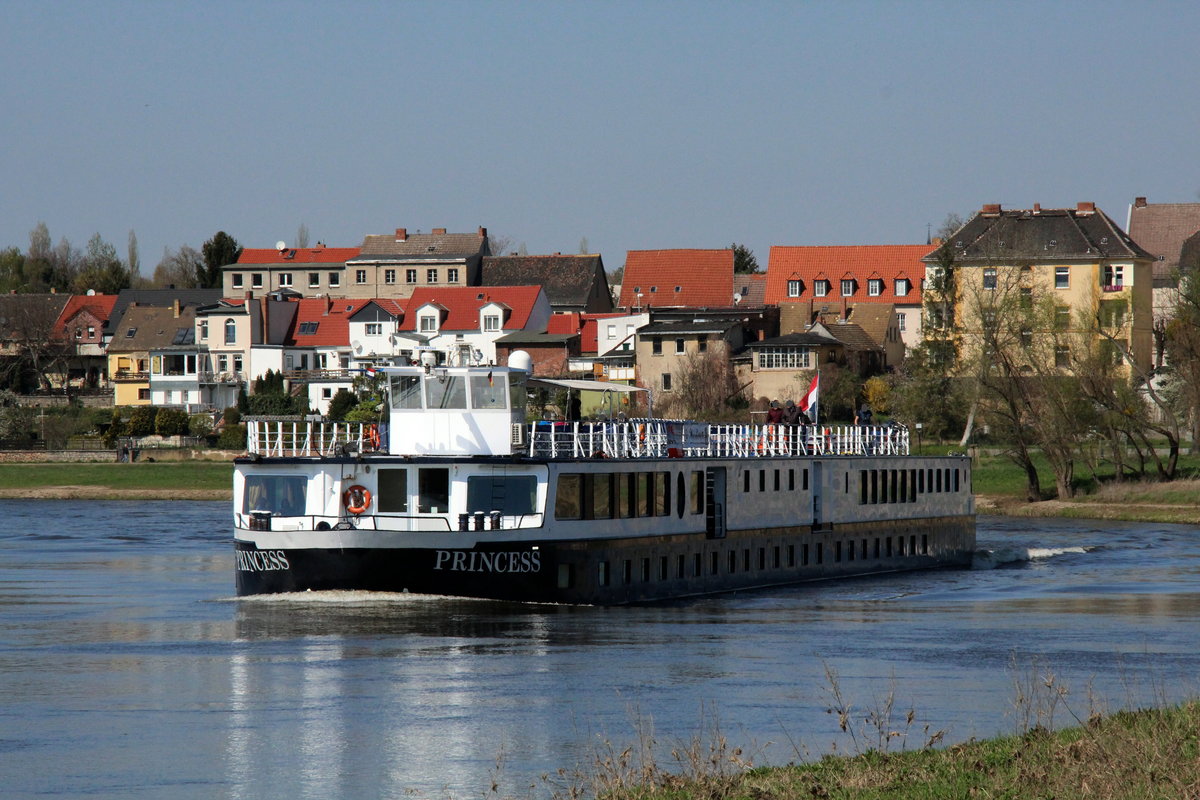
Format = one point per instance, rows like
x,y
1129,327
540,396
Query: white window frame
x,y
452,275
285,280
389,277
1062,277
901,287
771,357
360,276
847,287
875,287
373,328
821,288
335,280
491,323
793,287
428,323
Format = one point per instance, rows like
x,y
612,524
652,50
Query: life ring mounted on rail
x,y
357,499
373,436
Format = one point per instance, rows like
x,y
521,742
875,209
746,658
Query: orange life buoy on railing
x,y
373,436
357,499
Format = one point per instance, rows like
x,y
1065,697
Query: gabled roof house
x,y
677,279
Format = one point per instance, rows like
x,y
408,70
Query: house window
x,y
1062,356
989,277
1062,317
666,380
203,330
360,276
374,328
1026,297
491,323
452,275
612,332
821,288
79,333
428,324
410,276
237,364
236,280
783,358
314,280
1114,278
656,346
1112,313
230,331
875,287
680,346
1062,277
902,322
847,287
1026,338
256,280
389,276
143,394
431,275
702,344
793,288
285,279
902,287
335,280
326,392
92,331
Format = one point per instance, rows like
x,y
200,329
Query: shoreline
x,y
986,505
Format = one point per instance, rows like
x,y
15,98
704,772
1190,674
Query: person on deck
x,y
774,413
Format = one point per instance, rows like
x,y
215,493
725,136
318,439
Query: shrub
x,y
341,404
233,437
233,415
141,420
171,422
200,425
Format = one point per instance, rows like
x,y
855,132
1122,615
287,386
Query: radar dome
x,y
519,359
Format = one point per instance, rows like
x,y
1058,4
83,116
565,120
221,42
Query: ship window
x,y
448,393
889,547
777,480
662,495
406,391
733,561
924,544
486,392
644,482
850,550
877,547
805,479
746,481
791,480
601,495
680,565
938,474
602,573
762,480
511,495
680,495
804,555
565,574
762,558
393,491
837,552
516,393
280,495
567,503
776,559
627,571
714,564
433,486
627,494
663,574
820,552
791,551
862,487
697,492
645,570
697,565
956,480
912,545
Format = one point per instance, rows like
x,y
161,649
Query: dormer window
x,y
428,323
847,287
875,287
793,287
821,288
491,322
902,287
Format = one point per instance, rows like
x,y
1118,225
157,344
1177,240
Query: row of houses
x,y
322,315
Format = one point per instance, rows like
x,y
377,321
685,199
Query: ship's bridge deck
x,y
648,438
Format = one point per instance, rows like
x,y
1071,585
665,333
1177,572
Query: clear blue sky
x,y
636,125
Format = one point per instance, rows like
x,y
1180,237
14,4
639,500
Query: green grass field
x,y
205,475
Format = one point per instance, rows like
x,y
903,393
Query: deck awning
x,y
580,385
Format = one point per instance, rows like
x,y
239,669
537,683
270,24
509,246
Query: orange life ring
x,y
357,499
373,436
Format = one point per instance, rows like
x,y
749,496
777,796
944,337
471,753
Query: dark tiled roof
x,y
1041,234
145,328
750,287
422,246
804,339
159,298
30,316
667,328
852,336
568,280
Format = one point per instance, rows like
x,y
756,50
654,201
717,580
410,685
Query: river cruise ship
x,y
455,493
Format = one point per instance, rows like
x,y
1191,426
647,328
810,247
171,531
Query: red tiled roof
x,y
564,323
99,306
462,304
332,318
703,278
861,262
293,255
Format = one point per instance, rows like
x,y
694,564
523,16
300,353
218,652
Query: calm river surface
x,y
128,670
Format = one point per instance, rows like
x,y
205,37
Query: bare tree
x,y
302,236
180,268
134,261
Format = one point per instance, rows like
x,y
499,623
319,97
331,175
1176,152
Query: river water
x,y
127,669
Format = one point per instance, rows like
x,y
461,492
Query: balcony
x,y
1115,287
130,376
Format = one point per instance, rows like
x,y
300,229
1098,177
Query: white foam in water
x,y
1015,554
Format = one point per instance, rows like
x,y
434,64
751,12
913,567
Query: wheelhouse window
x,y
406,391
446,394
487,392
278,495
511,495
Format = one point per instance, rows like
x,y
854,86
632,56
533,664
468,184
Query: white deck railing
x,y
633,439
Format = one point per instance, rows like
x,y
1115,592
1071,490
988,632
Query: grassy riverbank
x,y
1152,753
143,480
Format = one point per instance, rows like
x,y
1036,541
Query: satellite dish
x,y
281,245
357,347
519,359
91,292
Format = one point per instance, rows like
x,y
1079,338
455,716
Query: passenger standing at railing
x,y
791,419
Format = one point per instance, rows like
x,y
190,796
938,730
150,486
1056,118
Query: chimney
x,y
249,297
1139,202
809,322
482,232
264,306
175,308
328,306
439,231
401,234
1037,208
991,210
1085,208
845,309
